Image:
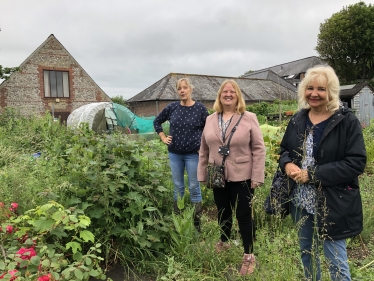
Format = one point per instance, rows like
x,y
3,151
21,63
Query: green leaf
x,y
2,265
78,274
84,220
66,274
151,209
162,189
57,216
94,273
43,224
88,261
77,256
35,260
59,232
46,263
74,246
87,236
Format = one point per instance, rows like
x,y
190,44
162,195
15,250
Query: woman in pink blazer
x,y
244,166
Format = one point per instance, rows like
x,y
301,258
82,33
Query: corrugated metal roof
x,y
349,91
206,88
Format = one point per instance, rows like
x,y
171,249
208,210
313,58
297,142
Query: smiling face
x,y
184,91
316,94
228,97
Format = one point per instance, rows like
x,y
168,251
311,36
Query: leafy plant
x,y
48,241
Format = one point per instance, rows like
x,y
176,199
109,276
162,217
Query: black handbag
x,y
216,174
278,201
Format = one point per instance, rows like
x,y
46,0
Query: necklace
x,y
318,118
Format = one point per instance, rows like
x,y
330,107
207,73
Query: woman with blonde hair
x,y
323,153
244,166
187,120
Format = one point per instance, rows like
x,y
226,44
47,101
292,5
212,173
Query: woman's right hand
x,y
291,169
167,140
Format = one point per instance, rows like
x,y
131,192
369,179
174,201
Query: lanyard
x,y
224,128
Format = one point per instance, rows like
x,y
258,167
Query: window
x,y
56,84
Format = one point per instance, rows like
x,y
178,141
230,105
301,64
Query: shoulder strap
x,y
232,132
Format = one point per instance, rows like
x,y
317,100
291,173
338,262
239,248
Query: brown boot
x,y
248,265
222,246
197,215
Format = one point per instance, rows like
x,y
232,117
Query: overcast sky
x,y
127,45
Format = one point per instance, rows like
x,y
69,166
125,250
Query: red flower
x,y
26,253
9,229
13,206
2,205
45,277
12,273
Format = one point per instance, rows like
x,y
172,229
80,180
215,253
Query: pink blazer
x,y
247,149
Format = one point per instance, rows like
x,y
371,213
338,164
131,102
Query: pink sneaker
x,y
222,246
248,265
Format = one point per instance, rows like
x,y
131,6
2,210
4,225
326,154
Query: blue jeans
x,y
178,163
335,250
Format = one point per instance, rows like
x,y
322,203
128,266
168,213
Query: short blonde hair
x,y
185,79
240,107
321,74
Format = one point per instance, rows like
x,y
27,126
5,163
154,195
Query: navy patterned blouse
x,y
304,196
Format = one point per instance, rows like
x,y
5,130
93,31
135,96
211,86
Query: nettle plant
x,y
48,243
118,183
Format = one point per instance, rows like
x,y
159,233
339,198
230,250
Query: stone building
x,y
151,101
50,80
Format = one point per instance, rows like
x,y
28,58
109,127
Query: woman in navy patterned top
x,y
187,121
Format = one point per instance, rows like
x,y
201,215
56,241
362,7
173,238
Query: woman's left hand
x,y
255,184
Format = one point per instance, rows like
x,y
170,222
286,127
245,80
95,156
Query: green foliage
x,y
183,231
5,72
119,100
346,42
115,195
54,238
118,185
369,144
211,111
261,108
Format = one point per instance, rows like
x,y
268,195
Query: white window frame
x,y
56,84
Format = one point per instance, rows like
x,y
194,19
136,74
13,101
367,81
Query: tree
x,y
346,42
119,100
7,71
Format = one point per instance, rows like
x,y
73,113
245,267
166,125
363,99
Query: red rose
x,y
13,206
26,253
12,273
45,277
9,229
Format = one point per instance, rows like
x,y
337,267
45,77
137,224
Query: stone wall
x,y
153,108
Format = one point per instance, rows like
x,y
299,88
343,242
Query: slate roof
x,y
206,88
292,69
349,91
271,75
